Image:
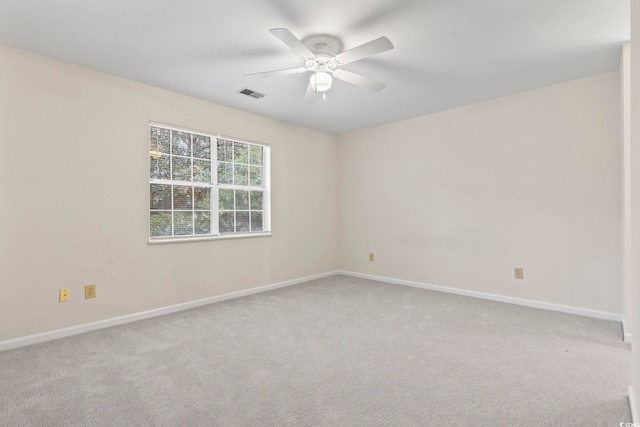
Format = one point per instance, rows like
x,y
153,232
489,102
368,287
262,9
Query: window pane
x,y
181,144
202,198
159,140
240,153
181,169
242,200
202,171
226,199
242,221
256,221
202,222
182,223
241,176
225,173
226,222
255,156
161,197
160,224
164,141
201,146
255,176
160,166
256,200
225,151
182,198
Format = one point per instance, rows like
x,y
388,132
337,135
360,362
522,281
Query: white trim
x,y
87,327
241,140
235,186
627,335
632,406
180,183
214,187
199,237
494,297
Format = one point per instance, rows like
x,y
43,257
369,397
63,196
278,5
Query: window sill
x,y
181,239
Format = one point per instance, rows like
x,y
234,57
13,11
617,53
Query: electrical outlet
x,y
64,295
89,291
371,257
518,273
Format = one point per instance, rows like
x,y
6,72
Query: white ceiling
x,y
447,53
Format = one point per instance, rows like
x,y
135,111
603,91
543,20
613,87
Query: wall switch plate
x,y
518,273
371,257
89,291
64,295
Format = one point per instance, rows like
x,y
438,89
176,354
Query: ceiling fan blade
x,y
371,48
279,72
311,94
293,42
358,80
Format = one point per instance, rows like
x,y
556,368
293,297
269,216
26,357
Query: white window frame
x,y
214,187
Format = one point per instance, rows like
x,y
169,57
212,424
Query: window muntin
x,y
188,200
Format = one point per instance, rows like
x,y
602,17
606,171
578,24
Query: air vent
x,y
251,93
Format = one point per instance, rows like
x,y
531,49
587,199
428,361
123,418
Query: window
x,y
206,186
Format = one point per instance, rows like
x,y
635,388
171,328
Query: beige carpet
x,y
337,351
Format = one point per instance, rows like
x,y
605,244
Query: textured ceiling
x,y
447,53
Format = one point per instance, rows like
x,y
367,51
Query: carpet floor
x,y
338,351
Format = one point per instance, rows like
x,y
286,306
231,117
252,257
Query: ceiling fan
x,y
323,56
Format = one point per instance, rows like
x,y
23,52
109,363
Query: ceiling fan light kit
x,y
321,81
323,56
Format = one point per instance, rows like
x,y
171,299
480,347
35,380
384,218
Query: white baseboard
x,y
494,297
87,327
632,405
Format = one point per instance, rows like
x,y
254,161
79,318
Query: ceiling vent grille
x,y
251,93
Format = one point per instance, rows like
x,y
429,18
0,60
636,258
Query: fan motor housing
x,y
323,44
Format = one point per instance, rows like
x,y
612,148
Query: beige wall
x,y
457,198
74,191
461,197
